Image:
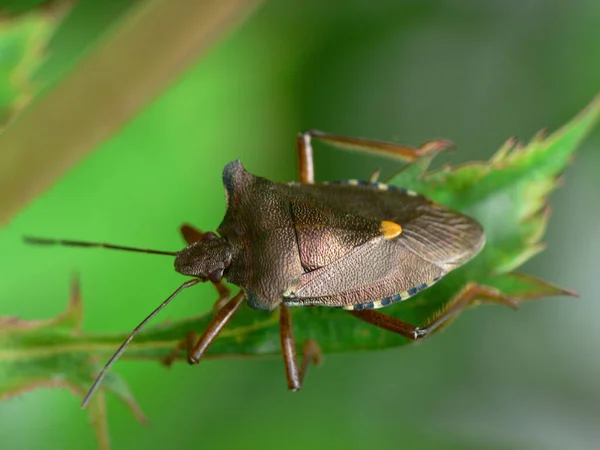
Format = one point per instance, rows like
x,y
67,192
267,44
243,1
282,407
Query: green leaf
x,y
23,41
507,194
43,354
20,6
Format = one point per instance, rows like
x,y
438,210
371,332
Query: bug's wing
x,y
442,236
431,231
326,234
373,271
432,243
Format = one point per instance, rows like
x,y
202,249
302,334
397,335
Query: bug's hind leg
x,y
311,351
305,152
196,347
471,294
388,323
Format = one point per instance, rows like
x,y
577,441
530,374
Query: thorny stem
x,y
120,75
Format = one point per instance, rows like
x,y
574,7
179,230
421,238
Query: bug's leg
x,y
306,167
305,151
196,346
311,351
387,323
215,327
186,343
192,234
470,294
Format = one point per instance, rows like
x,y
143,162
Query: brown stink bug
x,y
354,245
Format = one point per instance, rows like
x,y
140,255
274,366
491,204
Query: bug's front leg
x,y
215,327
311,351
186,343
305,152
470,294
196,347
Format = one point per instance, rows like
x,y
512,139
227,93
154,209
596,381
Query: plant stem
x,y
120,75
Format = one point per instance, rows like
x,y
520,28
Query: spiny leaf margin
x,y
508,195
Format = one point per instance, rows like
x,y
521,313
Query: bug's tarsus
x,y
468,295
71,243
421,333
311,351
135,331
186,343
465,297
436,145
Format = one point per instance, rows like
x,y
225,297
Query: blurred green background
x,y
474,72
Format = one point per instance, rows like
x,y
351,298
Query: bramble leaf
x,y
23,41
508,195
44,354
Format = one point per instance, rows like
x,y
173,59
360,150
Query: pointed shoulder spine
x,y
235,177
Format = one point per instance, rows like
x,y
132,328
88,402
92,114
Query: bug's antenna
x,y
121,349
70,243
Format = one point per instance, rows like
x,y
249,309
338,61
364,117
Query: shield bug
x,y
354,245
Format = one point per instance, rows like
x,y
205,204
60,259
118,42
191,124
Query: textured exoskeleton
x,y
324,244
354,245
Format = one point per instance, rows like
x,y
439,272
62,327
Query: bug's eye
x,y
209,236
216,275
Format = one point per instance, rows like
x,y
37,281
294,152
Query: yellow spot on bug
x,y
390,230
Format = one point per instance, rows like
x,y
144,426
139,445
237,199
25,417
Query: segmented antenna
x,y
135,331
71,243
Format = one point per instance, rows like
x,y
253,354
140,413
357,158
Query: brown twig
x,y
121,74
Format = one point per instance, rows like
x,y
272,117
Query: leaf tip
x,y
503,151
540,136
594,105
590,113
570,293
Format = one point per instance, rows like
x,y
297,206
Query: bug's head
x,y
206,259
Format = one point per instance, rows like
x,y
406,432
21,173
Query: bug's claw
x,y
420,333
185,343
312,352
436,146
